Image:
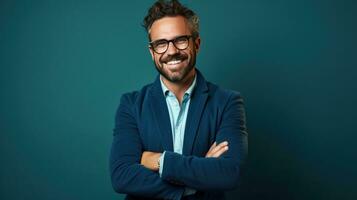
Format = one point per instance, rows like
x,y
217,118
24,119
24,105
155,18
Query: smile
x,y
174,62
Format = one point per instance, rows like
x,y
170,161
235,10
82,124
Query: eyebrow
x,y
164,39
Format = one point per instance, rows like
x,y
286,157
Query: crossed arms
x,y
150,159
134,171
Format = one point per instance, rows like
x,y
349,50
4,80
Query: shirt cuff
x,y
161,163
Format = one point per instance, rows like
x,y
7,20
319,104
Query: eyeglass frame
x,y
172,41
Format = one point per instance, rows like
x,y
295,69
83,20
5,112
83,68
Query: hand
x,y
217,150
150,160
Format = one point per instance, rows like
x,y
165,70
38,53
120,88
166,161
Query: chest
x,y
165,129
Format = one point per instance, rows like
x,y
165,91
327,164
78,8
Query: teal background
x,y
65,64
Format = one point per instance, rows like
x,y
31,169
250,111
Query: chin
x,y
175,77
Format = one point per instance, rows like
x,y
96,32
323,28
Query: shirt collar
x,y
166,91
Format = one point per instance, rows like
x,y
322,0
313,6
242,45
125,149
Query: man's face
x,y
174,65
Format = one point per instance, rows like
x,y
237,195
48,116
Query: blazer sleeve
x,y
127,174
220,173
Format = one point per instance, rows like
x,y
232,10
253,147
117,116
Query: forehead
x,y
169,28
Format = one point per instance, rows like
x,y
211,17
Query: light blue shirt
x,y
178,116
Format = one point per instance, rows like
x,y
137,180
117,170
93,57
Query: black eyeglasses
x,y
161,46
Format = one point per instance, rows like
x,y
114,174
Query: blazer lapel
x,y
161,114
197,105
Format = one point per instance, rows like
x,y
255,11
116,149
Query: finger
x,y
220,152
212,146
208,154
224,143
218,147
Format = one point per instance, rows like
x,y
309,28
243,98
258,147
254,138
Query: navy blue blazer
x,y
142,123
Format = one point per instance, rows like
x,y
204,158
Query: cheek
x,y
157,59
191,53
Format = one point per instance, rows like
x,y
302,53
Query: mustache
x,y
177,56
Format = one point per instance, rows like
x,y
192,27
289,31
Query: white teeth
x,y
173,62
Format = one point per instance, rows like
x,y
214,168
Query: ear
x,y
197,43
151,52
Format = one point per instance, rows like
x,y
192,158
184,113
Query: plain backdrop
x,y
65,64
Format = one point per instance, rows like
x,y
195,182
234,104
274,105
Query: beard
x,y
176,75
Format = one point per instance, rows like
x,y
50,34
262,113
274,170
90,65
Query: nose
x,y
171,49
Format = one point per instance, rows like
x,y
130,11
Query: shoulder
x,y
222,95
136,96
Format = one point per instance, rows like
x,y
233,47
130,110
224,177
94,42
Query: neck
x,y
179,88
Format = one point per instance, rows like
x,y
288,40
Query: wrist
x,y
158,163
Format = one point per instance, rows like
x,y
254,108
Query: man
x,y
180,137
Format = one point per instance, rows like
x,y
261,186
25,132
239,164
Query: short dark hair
x,y
171,8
